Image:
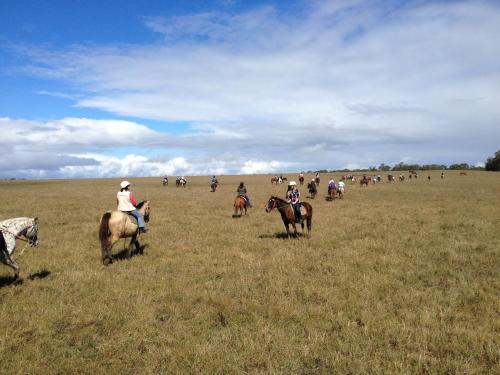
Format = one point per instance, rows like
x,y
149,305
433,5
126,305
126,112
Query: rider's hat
x,y
292,183
124,184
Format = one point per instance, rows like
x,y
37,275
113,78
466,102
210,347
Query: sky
x,y
127,88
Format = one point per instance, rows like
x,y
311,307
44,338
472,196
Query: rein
x,y
18,238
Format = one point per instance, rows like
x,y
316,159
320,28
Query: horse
x,y
288,216
390,178
165,181
213,186
12,229
332,192
240,204
317,180
180,182
401,178
364,181
311,187
117,224
274,180
340,192
301,179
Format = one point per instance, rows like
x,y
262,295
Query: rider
x,y
126,203
341,186
214,180
312,186
242,190
331,185
293,196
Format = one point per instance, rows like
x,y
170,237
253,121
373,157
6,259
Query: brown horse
x,y
332,193
240,204
288,216
301,180
274,180
364,181
117,224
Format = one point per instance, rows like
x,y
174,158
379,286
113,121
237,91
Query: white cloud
x,y
260,166
342,83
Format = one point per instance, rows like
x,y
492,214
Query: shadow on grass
x,y
122,255
281,235
11,280
39,275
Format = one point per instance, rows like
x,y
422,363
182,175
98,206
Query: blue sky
x,y
127,88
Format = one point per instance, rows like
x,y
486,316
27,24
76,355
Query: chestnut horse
x,y
240,204
332,192
117,224
288,216
364,181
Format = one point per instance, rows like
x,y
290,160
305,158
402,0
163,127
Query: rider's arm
x,y
132,199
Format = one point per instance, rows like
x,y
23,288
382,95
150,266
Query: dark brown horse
x,y
117,224
240,205
364,181
288,216
301,179
332,193
311,188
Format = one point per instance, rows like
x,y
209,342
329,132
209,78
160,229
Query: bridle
x,y
275,205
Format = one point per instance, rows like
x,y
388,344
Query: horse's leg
x,y
8,261
309,225
107,256
138,247
245,207
294,229
129,248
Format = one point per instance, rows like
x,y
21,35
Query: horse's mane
x,y
140,204
279,199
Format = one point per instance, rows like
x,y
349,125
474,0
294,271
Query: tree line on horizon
x,y
492,164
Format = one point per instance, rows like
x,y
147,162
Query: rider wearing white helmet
x,y
293,197
126,203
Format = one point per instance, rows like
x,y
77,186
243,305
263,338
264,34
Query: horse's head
x,y
271,204
144,209
32,232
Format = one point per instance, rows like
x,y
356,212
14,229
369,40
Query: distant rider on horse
x,y
126,203
331,185
312,187
293,197
342,186
242,190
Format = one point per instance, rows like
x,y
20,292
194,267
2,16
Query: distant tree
x,y
493,163
383,167
459,166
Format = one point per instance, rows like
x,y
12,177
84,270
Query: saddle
x,y
132,217
244,198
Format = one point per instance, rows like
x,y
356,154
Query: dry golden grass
x,y
397,278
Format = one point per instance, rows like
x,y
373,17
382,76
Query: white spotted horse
x,y
22,228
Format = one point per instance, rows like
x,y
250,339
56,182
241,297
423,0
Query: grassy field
x,y
396,278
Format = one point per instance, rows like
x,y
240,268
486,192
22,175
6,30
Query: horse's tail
x,y
104,231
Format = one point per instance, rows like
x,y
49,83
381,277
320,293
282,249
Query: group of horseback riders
x,y
126,201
